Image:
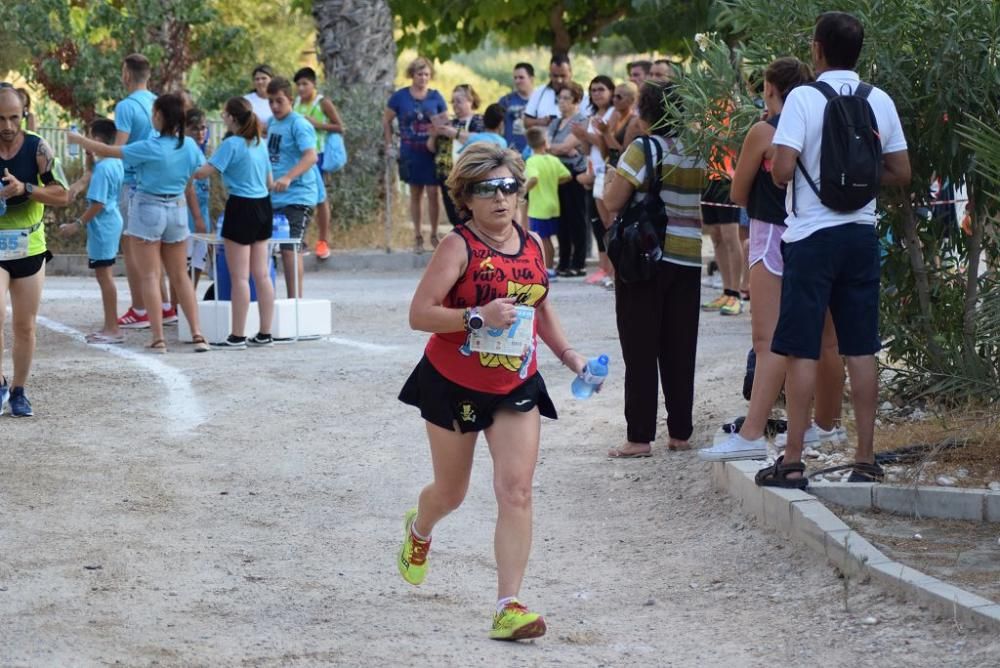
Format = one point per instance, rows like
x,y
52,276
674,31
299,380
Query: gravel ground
x,y
244,508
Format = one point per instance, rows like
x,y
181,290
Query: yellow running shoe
x,y
515,622
733,306
716,304
412,560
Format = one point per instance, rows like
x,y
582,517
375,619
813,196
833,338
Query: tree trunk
x,y
355,44
914,251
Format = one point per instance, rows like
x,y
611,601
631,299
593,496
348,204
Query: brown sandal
x,y
158,346
200,344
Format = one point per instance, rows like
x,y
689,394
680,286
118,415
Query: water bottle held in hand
x,y
591,377
74,149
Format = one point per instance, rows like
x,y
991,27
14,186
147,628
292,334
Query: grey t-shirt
x,y
557,136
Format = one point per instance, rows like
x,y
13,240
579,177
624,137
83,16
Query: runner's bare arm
x,y
427,310
551,332
53,190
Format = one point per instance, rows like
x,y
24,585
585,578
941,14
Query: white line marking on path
x,y
361,345
180,405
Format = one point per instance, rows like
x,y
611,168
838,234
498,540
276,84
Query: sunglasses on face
x,y
617,96
484,189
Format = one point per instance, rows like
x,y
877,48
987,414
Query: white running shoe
x,y
734,448
815,436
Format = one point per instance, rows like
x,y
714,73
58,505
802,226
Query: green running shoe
x,y
515,622
412,560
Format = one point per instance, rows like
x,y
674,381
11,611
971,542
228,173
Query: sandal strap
x,y
779,470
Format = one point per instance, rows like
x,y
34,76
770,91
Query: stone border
x,y
803,517
976,505
364,260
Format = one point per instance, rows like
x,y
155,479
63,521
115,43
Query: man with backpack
x,y
837,142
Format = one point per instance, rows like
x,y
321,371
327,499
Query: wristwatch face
x,y
475,321
29,188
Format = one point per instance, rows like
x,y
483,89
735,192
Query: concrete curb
x,y
804,518
976,505
363,260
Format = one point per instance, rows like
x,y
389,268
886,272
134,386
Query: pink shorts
x,y
765,245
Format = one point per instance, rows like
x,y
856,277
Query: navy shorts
x,y
544,227
835,268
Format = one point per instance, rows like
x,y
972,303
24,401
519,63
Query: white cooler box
x,y
216,316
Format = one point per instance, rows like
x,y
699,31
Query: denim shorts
x,y
158,218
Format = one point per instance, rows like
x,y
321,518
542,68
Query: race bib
x,y
14,244
513,341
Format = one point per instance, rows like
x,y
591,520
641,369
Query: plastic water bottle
x,y
281,228
74,149
3,206
591,377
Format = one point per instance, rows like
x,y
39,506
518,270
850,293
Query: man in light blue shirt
x,y
134,122
291,146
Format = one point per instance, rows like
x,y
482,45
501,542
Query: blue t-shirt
x,y
414,117
244,167
134,115
104,230
287,140
513,120
162,167
203,191
485,136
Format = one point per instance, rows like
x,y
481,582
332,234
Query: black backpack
x,y
850,164
635,240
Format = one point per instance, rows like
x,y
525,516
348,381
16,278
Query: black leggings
x,y
658,331
572,234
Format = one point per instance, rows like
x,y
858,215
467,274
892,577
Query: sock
x,y
416,534
139,311
731,293
167,306
502,603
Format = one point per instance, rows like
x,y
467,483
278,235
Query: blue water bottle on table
x,y
591,377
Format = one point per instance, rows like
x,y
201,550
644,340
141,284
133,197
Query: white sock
x,y
167,306
502,603
139,311
416,534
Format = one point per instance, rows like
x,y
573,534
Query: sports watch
x,y
473,320
28,189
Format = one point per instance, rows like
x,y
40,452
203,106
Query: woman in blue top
x,y
163,166
243,161
416,107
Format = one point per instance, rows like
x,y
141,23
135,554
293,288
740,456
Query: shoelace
x,y
418,551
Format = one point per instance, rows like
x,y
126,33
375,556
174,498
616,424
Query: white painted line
x,y
360,345
179,406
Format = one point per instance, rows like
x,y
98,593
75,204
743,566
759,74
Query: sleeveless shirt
x,y
489,275
767,201
314,111
23,212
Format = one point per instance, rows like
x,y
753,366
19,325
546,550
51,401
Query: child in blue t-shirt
x,y
493,127
196,127
103,223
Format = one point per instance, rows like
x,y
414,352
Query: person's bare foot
x,y
631,451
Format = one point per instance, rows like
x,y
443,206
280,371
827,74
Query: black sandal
x,y
860,472
776,475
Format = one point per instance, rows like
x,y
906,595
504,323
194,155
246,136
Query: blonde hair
x,y
474,163
418,64
629,88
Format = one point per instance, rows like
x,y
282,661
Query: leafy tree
x,y
440,28
76,48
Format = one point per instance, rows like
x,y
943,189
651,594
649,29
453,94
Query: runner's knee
x,y
513,493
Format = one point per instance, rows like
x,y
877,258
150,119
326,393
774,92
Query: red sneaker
x,y
170,316
132,320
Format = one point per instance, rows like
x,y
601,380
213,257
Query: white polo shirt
x,y
543,103
801,128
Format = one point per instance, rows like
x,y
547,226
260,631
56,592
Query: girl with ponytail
x,y
243,161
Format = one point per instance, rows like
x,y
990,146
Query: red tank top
x,y
489,275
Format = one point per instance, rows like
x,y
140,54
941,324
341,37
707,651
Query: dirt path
x,y
262,531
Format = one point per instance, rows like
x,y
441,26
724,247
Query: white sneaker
x,y
815,436
714,281
733,448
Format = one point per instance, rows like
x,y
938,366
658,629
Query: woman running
x,y
754,188
164,166
462,388
243,161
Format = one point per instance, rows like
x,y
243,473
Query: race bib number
x,y
14,244
513,341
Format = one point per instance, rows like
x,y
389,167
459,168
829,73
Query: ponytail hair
x,y
787,73
171,108
247,125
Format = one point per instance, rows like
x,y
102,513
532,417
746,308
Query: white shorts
x,y
197,250
599,185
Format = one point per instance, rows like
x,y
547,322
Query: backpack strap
x,y
829,93
863,90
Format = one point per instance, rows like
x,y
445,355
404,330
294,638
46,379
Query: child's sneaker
x,y
19,404
516,622
132,320
412,560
